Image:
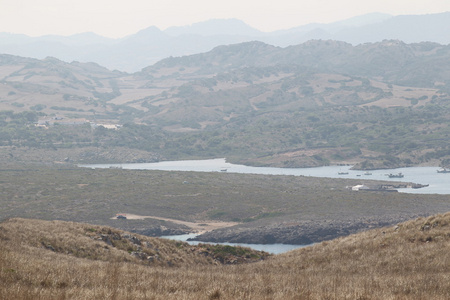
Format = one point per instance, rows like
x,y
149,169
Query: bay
x,y
439,183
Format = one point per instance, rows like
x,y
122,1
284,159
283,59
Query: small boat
x,y
342,173
443,170
399,175
367,173
223,170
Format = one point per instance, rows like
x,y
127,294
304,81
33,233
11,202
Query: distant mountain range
x,y
146,47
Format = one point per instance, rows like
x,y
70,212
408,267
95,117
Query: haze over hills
x,y
150,45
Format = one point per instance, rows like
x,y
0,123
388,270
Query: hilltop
x,y
55,260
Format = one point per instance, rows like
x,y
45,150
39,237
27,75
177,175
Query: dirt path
x,y
198,227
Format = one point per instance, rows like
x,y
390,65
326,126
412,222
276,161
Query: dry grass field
x,y
61,260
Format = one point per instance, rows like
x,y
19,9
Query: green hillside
x,y
378,105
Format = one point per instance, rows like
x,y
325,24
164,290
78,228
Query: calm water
x,y
439,183
271,248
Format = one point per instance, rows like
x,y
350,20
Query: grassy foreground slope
x,y
407,261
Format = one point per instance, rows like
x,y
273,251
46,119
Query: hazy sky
x,y
117,18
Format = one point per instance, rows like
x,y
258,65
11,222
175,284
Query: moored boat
x,y
399,175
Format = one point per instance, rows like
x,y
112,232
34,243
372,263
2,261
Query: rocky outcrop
x,y
145,251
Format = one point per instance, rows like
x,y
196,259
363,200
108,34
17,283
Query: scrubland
x,y
64,260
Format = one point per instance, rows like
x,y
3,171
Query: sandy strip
x,y
197,227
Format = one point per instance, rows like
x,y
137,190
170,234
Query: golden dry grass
x,y
408,261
